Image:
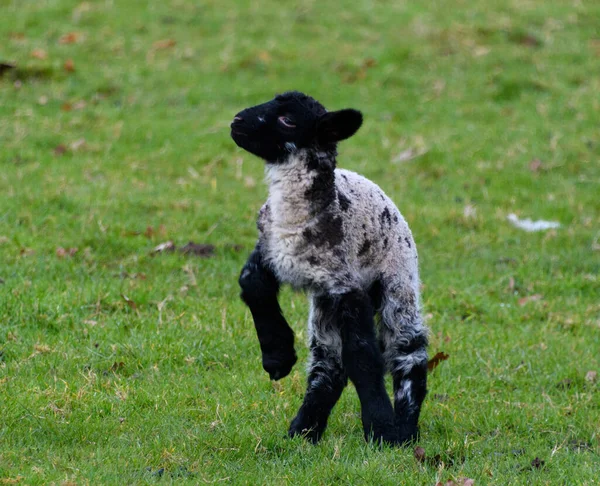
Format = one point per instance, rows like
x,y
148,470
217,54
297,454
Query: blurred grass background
x,y
120,366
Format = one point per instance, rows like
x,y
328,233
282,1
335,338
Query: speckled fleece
x,y
333,242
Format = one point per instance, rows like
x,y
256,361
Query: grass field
x,y
118,366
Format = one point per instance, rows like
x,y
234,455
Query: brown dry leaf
x,y
149,233
69,66
60,149
66,106
419,454
168,246
530,298
117,366
202,250
591,376
164,44
535,165
70,38
527,40
63,252
436,360
129,302
264,56
39,54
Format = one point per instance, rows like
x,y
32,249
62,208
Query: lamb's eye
x,y
286,122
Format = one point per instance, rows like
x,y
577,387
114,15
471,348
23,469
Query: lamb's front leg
x,y
259,291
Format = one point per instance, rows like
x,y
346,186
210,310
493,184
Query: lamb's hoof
x,y
279,366
311,434
393,438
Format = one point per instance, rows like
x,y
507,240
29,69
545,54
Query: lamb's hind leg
x,y
363,361
404,339
326,375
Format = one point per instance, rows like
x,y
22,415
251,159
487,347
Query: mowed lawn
x,y
121,366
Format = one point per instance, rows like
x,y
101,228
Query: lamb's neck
x,y
299,190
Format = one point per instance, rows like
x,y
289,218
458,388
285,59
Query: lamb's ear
x,y
338,125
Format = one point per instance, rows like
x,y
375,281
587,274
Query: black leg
x,y
365,367
259,292
326,376
326,381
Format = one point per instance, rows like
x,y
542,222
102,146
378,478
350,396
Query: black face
x,y
290,122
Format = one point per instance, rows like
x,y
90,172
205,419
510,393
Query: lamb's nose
x,y
237,120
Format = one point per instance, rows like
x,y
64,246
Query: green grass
x,y
95,391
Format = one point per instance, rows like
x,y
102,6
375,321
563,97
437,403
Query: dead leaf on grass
x,y
535,165
77,144
64,252
167,246
39,54
591,376
202,250
419,454
164,44
71,38
129,302
530,298
436,360
69,66
461,482
116,366
60,149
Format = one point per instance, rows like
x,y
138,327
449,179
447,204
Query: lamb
x,y
337,236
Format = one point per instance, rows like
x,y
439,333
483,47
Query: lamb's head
x,y
290,122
